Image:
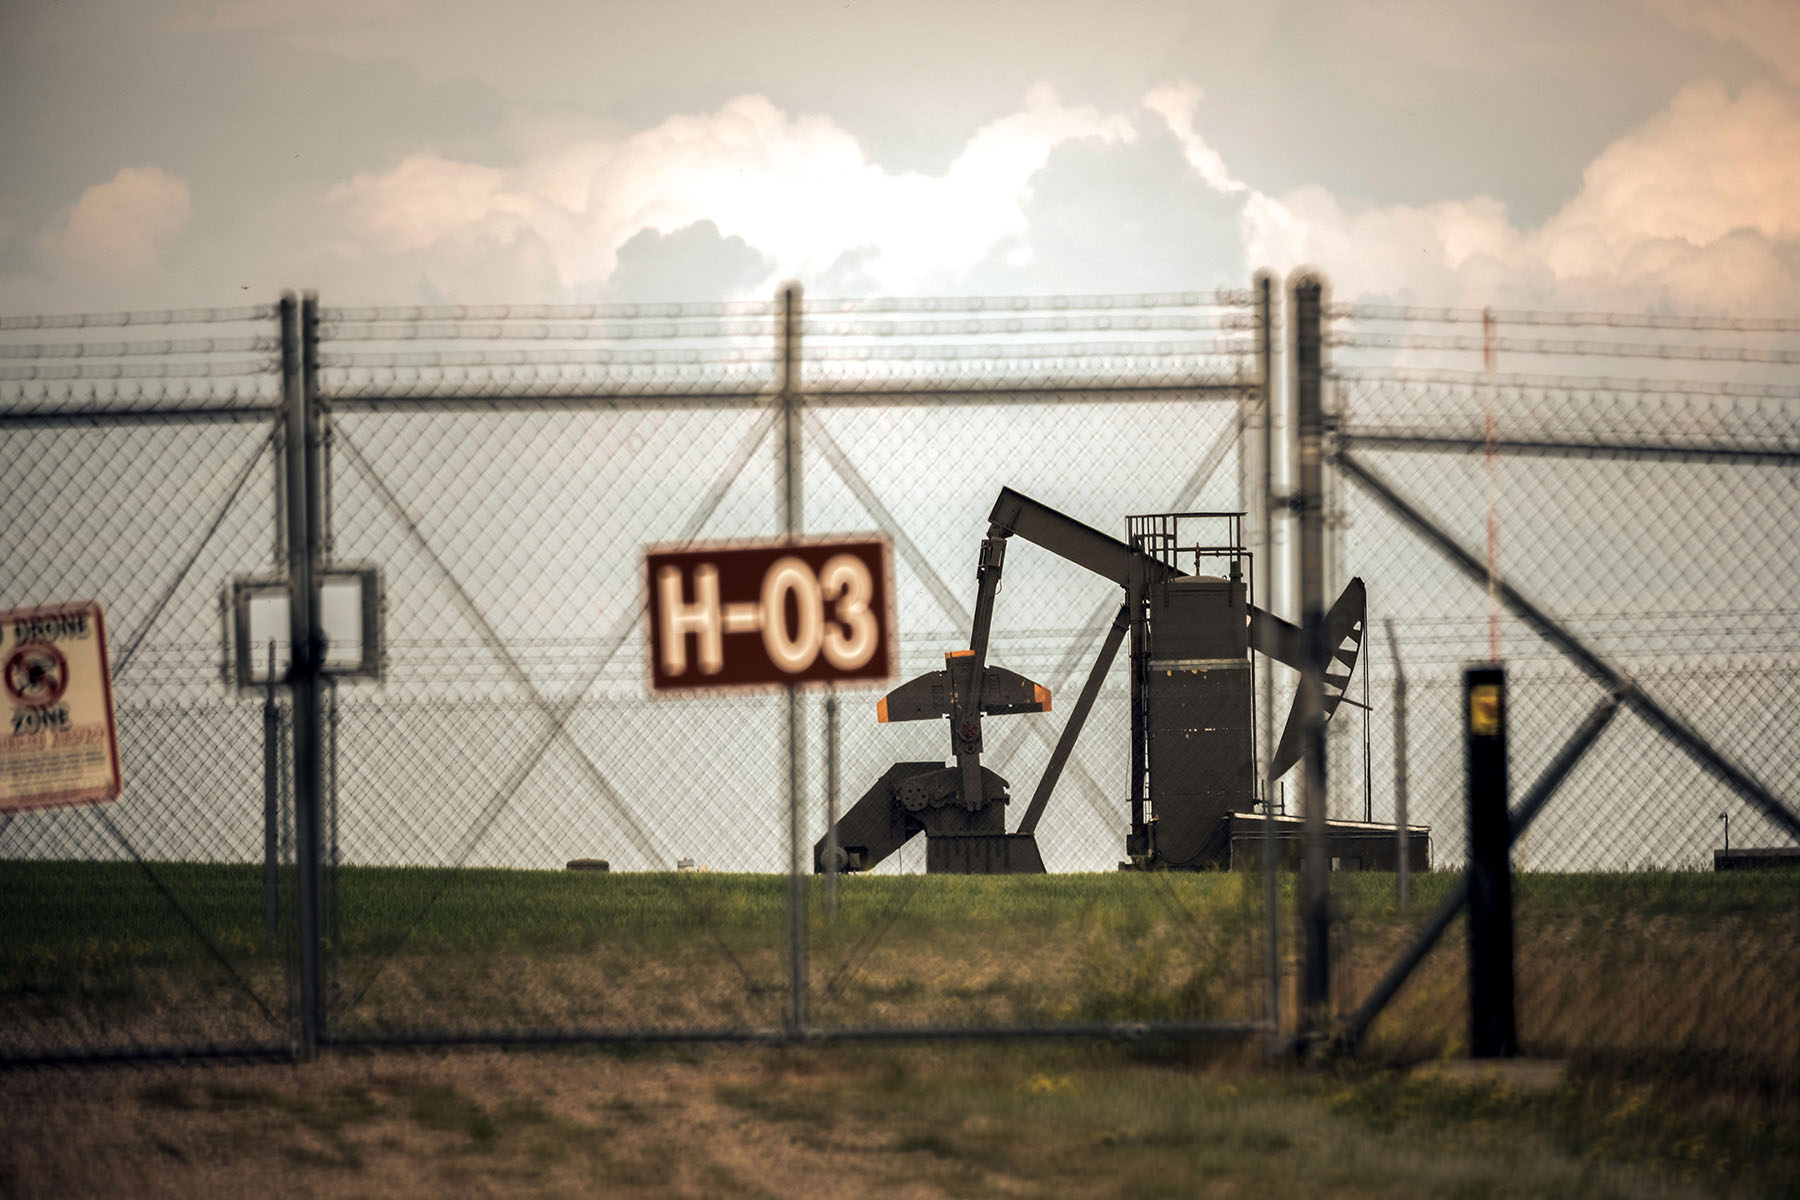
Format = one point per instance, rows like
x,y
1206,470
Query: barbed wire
x,y
811,328
175,370
671,311
1551,347
975,326
1516,316
1221,297
156,316
439,359
27,396
258,344
441,331
1560,383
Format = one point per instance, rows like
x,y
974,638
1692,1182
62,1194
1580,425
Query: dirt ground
x,y
483,1124
835,1121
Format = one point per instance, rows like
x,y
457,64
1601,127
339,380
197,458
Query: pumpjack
x,y
1192,724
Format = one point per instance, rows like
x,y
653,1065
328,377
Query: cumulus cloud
x,y
798,189
1694,207
1769,29
118,230
1175,104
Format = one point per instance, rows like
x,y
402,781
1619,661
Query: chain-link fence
x,y
141,468
1607,505
387,860
501,472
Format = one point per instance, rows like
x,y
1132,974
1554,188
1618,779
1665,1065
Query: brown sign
x,y
751,616
58,745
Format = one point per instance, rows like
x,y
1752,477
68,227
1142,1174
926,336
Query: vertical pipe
x,y
1402,873
1493,1029
303,675
831,806
1308,304
791,521
325,537
1265,351
1140,827
271,806
1368,766
1491,468
333,913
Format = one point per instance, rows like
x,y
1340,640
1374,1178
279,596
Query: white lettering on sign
x,y
700,618
792,654
846,580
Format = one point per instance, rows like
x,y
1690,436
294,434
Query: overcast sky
x,y
1596,153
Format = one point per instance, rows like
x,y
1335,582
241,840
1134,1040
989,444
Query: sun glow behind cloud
x,y
800,189
1693,208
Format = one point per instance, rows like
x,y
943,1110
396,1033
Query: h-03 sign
x,y
737,616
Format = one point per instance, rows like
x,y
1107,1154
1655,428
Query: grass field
x,y
1675,964
1669,996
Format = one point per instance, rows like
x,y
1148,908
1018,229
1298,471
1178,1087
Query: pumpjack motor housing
x,y
1192,704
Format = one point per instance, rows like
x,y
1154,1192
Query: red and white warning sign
x,y
59,744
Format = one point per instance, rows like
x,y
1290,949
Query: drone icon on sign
x,y
37,675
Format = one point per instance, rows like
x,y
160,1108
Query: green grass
x,y
1696,968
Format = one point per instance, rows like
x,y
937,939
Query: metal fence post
x,y
792,521
1265,569
1493,1029
307,646
1402,868
271,807
831,806
1308,294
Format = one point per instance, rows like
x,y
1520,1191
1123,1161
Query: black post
x,y
1315,913
1493,1031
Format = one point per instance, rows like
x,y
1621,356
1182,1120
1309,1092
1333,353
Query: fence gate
x,y
1609,505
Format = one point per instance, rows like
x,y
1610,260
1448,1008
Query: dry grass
x,y
859,1121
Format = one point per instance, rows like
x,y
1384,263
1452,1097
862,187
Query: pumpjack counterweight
x,y
1191,637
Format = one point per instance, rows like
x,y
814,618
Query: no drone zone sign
x,y
58,744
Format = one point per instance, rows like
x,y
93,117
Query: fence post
x,y
1493,1029
1315,913
271,807
1265,569
1402,868
792,520
307,648
831,805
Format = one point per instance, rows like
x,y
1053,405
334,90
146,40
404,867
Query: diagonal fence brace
x,y
1547,627
1517,823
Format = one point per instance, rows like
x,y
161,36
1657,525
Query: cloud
x,y
1769,29
1175,104
798,189
117,230
1694,207
694,263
